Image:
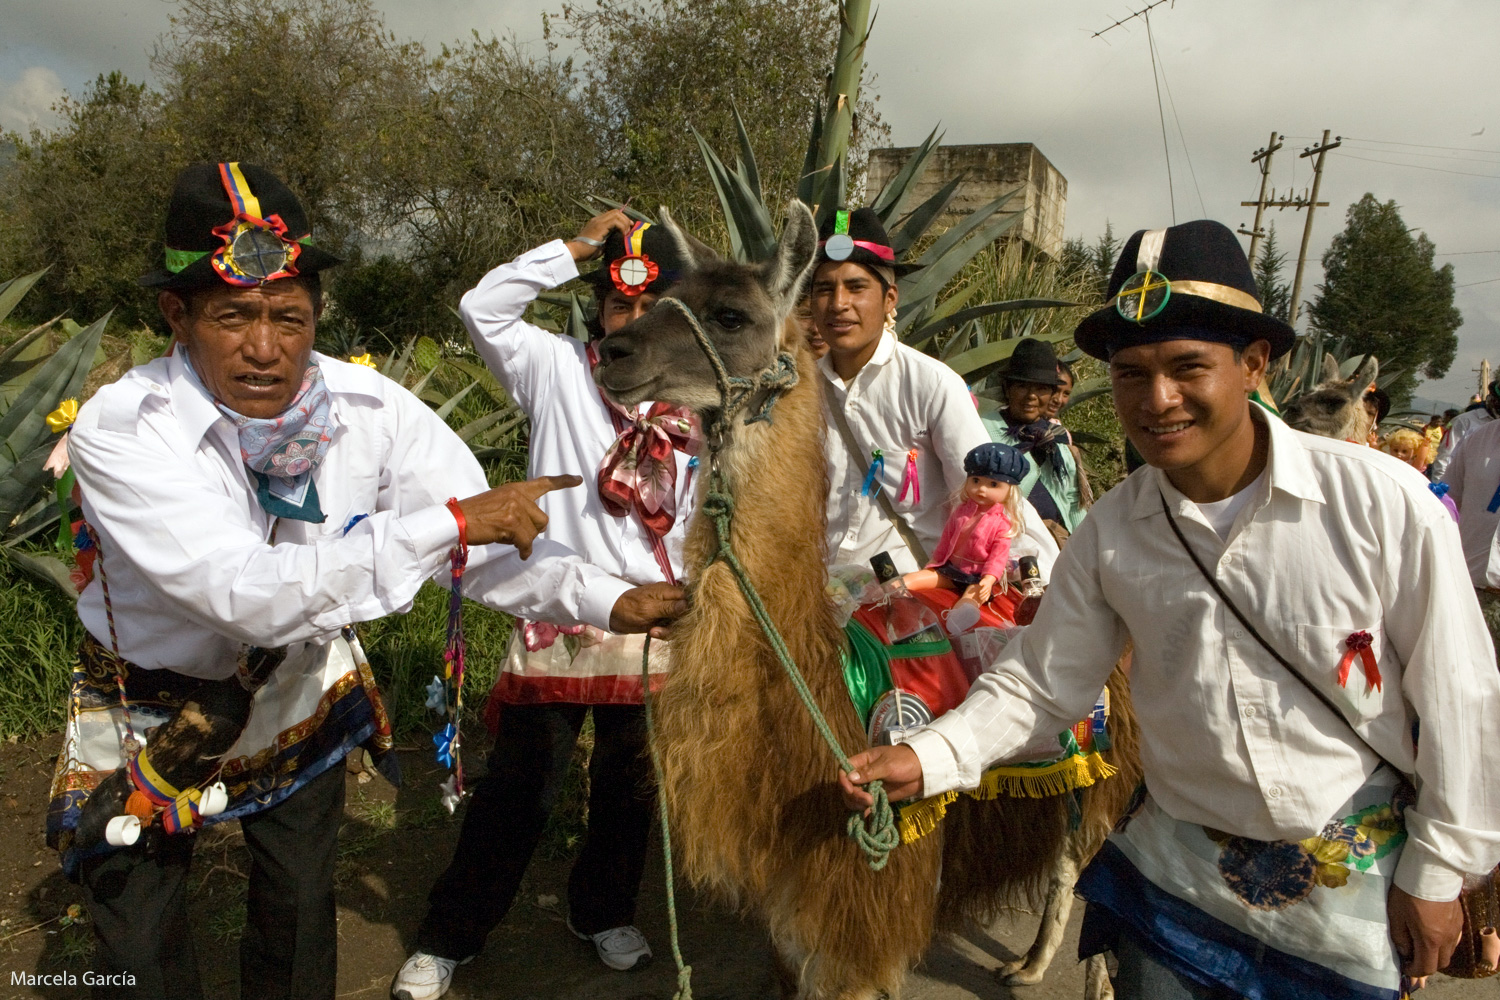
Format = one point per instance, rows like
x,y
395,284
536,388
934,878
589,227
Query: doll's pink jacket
x,y
987,549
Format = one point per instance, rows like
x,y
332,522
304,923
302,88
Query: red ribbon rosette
x,y
1358,644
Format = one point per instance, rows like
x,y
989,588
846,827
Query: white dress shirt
x,y
1459,427
1337,540
1473,477
902,399
193,570
549,378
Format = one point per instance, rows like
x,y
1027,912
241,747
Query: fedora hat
x,y
1187,282
1033,361
237,224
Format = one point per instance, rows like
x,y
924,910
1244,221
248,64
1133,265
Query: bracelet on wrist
x,y
587,241
463,525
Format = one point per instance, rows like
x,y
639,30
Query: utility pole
x,y
1262,158
1320,151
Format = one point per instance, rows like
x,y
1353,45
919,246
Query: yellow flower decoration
x,y
1329,857
62,418
362,359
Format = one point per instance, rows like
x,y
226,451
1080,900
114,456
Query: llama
x,y
749,785
1335,406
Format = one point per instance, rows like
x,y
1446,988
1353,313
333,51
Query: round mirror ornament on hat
x,y
1143,296
633,273
839,245
255,250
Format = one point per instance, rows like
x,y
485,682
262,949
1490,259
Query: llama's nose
x,y
616,348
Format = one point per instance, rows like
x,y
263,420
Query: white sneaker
x,y
425,977
621,948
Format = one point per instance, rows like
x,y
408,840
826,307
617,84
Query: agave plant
x,y
34,384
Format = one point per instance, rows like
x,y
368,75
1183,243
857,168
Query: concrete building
x,y
989,171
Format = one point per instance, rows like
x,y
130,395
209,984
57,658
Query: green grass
x,y
39,637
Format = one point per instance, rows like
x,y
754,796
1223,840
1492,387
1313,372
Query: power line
x,y
1471,284
1132,17
1431,156
1180,135
1171,191
1419,145
1420,166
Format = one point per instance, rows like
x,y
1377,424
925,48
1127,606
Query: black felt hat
x,y
1188,282
858,237
996,461
237,224
1033,361
651,263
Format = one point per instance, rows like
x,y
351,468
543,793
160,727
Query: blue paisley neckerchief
x,y
281,452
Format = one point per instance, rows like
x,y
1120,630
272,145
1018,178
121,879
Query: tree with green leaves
x,y
1275,294
1383,296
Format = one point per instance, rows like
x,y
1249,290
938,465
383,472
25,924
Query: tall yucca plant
x,y
925,314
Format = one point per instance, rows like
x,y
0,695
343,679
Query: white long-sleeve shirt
x,y
192,568
1459,427
549,378
1473,478
902,399
1337,540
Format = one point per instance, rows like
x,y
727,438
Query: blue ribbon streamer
x,y
1494,501
877,468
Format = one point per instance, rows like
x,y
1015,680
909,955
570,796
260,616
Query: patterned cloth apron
x,y
316,707
1264,919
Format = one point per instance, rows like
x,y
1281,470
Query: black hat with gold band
x,y
234,223
1188,282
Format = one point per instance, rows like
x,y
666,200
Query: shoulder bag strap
x,y
1261,639
908,537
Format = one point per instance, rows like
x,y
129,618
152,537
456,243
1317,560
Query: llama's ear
x,y
1330,368
692,250
785,272
1365,375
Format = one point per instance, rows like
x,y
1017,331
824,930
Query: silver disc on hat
x,y
633,271
257,253
839,246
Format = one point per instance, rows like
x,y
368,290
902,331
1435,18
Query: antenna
x,y
1132,17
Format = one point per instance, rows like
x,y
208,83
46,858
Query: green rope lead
x,y
878,839
684,972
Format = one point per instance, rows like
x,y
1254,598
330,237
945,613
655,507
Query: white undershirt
x,y
1221,513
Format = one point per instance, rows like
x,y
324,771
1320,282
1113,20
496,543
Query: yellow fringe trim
x,y
921,818
1040,782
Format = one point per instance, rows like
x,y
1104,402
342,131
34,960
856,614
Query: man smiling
x,y
248,494
1297,605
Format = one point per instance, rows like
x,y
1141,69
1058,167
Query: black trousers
x,y
138,902
510,807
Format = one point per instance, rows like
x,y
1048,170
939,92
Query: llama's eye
x,y
729,319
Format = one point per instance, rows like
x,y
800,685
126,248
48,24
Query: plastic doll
x,y
973,553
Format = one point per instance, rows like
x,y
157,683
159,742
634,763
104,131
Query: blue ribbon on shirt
x,y
1494,501
877,467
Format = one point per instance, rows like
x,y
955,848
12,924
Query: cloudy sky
x,y
1414,89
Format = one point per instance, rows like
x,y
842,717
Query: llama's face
x,y
741,307
1328,411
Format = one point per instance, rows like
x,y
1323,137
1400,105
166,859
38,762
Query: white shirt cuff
x,y
558,261
940,771
433,531
599,597
1419,873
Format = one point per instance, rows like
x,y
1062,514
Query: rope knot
x,y
879,837
718,505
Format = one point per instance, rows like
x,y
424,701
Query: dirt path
x,y
393,845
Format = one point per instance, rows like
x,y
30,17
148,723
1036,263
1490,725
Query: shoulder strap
x,y
908,537
1328,702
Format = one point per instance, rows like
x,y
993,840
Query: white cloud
x,y
28,100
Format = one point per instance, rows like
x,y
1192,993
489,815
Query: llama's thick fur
x,y
750,786
1335,406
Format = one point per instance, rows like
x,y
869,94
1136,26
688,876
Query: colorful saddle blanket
x,y
902,671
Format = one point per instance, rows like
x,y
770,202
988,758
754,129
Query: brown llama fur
x,y
756,814
1335,406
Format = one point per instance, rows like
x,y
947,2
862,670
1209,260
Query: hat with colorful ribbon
x,y
1187,282
859,236
234,223
646,259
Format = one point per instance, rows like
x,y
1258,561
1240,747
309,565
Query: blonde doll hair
x,y
1013,506
1402,435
